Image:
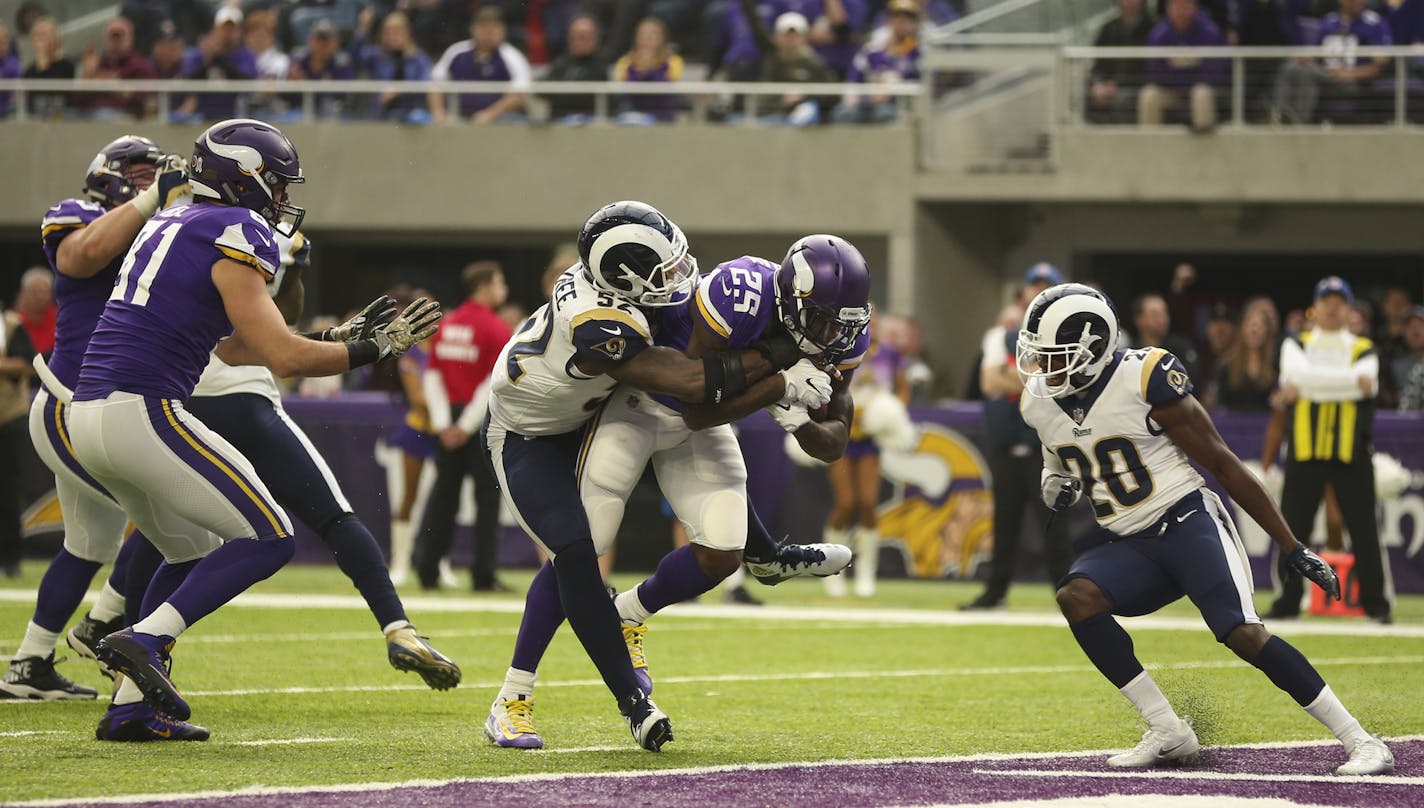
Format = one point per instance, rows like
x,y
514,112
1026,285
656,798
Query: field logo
x,y
941,513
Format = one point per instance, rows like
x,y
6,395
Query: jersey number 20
x,y
1119,468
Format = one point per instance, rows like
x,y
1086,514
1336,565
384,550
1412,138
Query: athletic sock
x,y
39,642
228,571
543,614
62,590
736,580
1289,670
144,561
518,684
1108,647
1144,694
678,578
396,625
1328,710
127,692
359,557
109,605
593,618
164,621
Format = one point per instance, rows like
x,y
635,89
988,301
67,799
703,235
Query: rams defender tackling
x,y
1119,426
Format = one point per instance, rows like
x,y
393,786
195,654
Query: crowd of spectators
x,y
792,41
1342,88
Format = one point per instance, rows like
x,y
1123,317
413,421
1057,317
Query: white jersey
x,y
537,388
221,379
1131,472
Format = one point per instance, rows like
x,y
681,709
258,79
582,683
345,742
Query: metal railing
x,y
698,96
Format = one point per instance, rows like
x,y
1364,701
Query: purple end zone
x,y
907,784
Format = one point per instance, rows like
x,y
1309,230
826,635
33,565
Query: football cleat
x,y
1368,755
35,678
145,659
139,722
799,560
87,633
741,596
511,724
408,651
1178,744
633,638
650,726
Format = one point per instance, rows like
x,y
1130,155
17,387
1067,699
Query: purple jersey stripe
x,y
58,435
203,459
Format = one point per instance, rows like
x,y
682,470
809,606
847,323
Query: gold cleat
x,y
408,651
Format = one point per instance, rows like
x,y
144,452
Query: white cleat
x,y
1178,744
1368,755
649,725
800,560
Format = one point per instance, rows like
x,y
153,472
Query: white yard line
x,y
196,796
283,741
24,732
1158,774
1013,670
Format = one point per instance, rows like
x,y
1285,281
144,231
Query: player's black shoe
x,y
87,633
35,678
742,596
139,722
650,726
144,658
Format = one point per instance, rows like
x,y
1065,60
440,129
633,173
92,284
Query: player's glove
x,y
1060,492
364,325
779,349
789,417
806,385
170,183
1314,567
419,321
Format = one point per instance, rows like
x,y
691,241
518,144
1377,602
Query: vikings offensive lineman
x,y
84,240
196,274
243,405
818,297
1119,427
549,381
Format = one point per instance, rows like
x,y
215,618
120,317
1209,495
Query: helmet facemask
x,y
819,331
1074,336
669,282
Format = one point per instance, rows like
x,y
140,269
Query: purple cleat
x,y
633,637
144,658
511,724
139,722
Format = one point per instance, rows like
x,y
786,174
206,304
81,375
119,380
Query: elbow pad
x,y
723,377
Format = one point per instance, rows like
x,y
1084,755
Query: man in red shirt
x,y
461,358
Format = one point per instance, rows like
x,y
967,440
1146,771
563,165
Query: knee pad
x,y
605,515
723,522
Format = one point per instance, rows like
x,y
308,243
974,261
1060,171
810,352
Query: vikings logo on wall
x,y
941,514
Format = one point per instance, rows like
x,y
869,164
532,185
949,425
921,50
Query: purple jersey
x,y
80,300
737,301
461,62
165,315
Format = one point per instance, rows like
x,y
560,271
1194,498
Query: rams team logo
x,y
613,348
942,513
1177,380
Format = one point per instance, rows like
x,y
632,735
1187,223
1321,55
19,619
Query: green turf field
x,y
300,695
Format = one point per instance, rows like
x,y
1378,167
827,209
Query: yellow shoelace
x,y
633,636
521,715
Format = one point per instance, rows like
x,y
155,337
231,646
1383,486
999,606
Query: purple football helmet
x,y
823,295
248,164
107,181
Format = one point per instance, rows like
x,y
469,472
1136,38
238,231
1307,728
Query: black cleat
x,y
145,659
650,726
87,633
35,678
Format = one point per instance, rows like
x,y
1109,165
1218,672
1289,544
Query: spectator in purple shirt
x,y
485,56
220,54
1173,83
837,27
397,58
897,59
1343,89
651,59
9,68
323,59
167,52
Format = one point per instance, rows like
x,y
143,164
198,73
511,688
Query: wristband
x,y
319,336
362,352
723,376
146,201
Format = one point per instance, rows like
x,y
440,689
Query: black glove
x,y
779,349
364,325
1314,567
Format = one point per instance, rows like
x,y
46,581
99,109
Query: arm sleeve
x,y
995,347
441,71
437,402
1323,383
520,74
1164,378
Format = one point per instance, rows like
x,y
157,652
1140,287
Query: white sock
x,y
836,535
110,605
736,580
164,622
630,609
867,559
402,542
128,692
397,626
518,684
1328,710
1149,701
38,642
